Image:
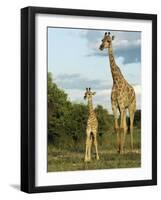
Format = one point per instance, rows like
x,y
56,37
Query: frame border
x,y
28,98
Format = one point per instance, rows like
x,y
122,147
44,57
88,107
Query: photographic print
x,y
88,99
94,99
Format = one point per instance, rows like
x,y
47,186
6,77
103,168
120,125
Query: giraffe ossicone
x,y
123,96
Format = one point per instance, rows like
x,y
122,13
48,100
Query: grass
x,y
71,160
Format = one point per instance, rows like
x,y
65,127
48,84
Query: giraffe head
x,y
106,41
88,94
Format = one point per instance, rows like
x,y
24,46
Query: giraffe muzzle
x,y
101,47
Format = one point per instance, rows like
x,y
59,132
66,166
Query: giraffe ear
x,y
93,93
113,37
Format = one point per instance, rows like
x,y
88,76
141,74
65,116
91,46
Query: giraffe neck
x,y
115,70
90,106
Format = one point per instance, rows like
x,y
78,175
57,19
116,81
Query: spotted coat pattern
x,y
91,128
122,96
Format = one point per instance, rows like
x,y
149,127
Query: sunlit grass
x,y
69,160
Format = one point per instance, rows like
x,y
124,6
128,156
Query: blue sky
x,y
76,62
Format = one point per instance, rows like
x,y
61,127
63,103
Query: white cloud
x,y
77,81
126,44
137,89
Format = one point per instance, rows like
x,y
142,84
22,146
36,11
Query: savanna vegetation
x,y
66,135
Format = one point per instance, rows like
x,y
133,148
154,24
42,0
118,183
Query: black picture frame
x,y
28,98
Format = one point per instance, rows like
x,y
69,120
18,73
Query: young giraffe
x,y
92,126
122,96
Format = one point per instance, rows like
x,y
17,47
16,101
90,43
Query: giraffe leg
x,y
96,146
131,112
116,127
90,148
125,129
86,151
87,147
122,128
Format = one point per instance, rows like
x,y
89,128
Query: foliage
x,y
137,119
67,121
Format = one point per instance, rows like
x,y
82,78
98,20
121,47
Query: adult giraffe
x,y
122,96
